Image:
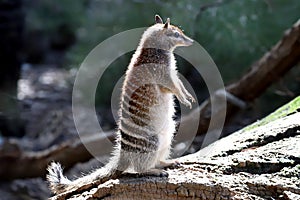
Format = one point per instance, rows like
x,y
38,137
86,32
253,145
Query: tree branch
x,y
267,70
16,163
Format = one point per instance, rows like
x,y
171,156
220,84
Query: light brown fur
x,y
146,126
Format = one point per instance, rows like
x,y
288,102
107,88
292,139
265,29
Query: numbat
x,y
146,125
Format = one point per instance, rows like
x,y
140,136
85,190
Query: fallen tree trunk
x,y
261,161
267,70
16,163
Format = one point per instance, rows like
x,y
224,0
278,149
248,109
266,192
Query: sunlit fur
x,y
146,125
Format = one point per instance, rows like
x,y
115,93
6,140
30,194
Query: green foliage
x,y
235,33
240,32
287,109
47,15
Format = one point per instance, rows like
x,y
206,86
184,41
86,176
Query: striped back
x,y
140,93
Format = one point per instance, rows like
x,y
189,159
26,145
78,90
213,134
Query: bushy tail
x,y
58,183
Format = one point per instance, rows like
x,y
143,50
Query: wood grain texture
x,y
257,163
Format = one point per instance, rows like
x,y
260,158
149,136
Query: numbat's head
x,y
164,36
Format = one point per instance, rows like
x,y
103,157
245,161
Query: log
x,y
16,163
261,161
262,74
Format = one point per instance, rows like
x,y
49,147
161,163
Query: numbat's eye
x,y
176,34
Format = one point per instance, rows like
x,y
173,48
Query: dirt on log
x,y
258,162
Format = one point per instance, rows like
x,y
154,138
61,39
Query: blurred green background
x,y
235,33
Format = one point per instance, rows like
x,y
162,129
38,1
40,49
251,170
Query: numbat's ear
x,y
167,23
158,19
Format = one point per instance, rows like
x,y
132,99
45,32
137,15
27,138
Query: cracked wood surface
x,y
258,163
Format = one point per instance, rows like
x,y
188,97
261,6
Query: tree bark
x,y
16,163
271,67
262,161
267,70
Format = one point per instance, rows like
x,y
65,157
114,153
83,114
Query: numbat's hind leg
x,y
167,163
156,172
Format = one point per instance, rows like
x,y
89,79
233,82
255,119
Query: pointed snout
x,y
187,41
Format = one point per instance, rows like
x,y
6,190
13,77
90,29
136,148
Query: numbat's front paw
x,y
187,103
191,98
186,99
